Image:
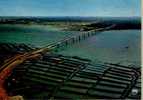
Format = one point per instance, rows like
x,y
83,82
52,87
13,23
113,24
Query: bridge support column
x,y
79,38
83,36
66,42
87,34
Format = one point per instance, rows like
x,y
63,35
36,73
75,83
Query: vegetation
x,y
77,23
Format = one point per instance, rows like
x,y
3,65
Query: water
x,y
38,35
109,46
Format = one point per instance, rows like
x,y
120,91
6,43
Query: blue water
x,y
109,46
38,35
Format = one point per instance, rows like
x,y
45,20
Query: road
x,y
10,64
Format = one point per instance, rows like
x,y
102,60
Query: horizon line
x,y
70,16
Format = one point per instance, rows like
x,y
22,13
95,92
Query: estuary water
x,y
116,46
38,35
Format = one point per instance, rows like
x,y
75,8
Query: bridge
x,y
74,39
11,63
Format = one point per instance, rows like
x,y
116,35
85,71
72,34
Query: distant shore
x,y
78,24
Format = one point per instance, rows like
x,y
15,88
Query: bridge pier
x,y
87,35
79,38
66,42
84,36
74,39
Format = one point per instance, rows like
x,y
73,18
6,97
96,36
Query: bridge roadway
x,y
17,59
76,38
10,64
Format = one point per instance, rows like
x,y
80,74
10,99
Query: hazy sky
x,y
70,7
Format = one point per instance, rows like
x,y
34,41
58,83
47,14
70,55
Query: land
x,y
76,23
34,74
70,77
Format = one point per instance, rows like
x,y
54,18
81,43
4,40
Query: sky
x,y
114,8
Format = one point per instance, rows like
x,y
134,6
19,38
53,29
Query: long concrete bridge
x,y
10,64
100,81
55,46
74,39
